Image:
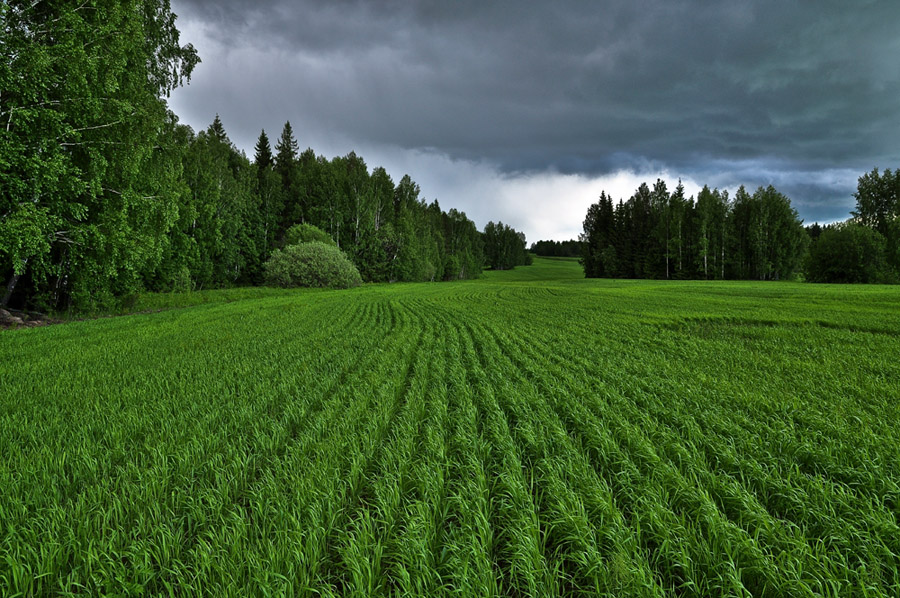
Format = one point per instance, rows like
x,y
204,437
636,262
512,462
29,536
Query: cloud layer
x,y
798,95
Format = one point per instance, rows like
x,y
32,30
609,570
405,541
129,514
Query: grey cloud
x,y
581,87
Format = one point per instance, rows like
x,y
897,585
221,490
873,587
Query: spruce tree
x,y
286,151
217,130
263,158
268,188
286,167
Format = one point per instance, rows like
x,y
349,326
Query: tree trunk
x,y
680,243
722,258
12,285
667,255
705,254
9,290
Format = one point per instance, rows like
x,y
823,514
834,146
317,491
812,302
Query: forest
x,y
759,236
657,234
550,248
104,194
237,211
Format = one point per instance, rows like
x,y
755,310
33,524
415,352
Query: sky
x,y
524,111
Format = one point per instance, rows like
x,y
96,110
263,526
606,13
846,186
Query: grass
x,y
530,433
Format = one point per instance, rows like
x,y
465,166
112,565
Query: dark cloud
x,y
789,92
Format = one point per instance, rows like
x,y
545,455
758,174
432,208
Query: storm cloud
x,y
538,99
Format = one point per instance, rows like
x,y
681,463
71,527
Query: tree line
x,y
570,248
662,234
104,194
658,234
387,229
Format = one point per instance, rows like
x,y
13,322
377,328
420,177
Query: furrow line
x,y
579,515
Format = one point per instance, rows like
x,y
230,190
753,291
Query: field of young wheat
x,y
531,433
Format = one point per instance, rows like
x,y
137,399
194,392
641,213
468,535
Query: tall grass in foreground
x,y
531,433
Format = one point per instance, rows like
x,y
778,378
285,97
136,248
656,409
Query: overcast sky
x,y
523,111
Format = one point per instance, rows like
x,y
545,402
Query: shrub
x,y
306,233
312,264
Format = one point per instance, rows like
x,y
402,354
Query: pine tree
x,y
678,213
263,157
287,169
268,188
286,151
217,130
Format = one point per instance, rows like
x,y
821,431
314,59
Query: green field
x,y
530,433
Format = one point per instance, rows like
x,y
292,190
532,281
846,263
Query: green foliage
x,y
219,236
878,207
657,234
233,214
103,194
597,241
504,247
268,190
307,233
263,157
848,252
86,198
312,264
570,248
878,199
531,433
22,235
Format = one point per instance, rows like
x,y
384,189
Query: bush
x,y
311,265
307,233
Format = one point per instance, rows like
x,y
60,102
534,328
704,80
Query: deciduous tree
x,y
87,188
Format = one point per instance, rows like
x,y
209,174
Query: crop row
x,y
491,438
